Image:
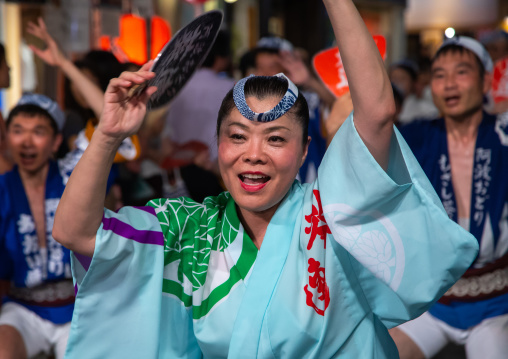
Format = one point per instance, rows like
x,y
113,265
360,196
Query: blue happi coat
x,y
488,220
21,260
41,279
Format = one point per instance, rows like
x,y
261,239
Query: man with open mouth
x,y
36,313
465,156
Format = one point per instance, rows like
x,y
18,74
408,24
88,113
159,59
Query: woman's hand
x,y
298,72
123,113
54,57
52,54
80,210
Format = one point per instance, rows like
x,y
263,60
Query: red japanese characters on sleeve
x,y
317,296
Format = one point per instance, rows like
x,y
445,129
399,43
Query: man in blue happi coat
x,y
465,156
37,308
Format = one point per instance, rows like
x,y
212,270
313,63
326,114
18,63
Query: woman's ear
x,y
305,150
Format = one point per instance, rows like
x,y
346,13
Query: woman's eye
x,y
236,136
276,139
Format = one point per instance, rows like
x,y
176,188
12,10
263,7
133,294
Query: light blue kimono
x,y
356,252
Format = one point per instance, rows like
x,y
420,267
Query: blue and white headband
x,y
45,103
279,110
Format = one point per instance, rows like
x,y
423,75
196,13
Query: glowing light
x,y
450,32
504,24
230,1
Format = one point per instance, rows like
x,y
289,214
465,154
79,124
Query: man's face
x,y
5,80
457,88
32,141
268,64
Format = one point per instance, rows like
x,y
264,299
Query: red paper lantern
x,y
132,38
161,33
196,1
131,45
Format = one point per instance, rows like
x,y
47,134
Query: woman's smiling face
x,y
259,161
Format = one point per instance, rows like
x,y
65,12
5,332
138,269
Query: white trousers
x,y
489,339
40,335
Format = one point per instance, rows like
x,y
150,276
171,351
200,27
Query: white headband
x,y
474,46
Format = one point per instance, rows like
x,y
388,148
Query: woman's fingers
x,y
128,79
42,25
118,84
42,34
33,30
39,30
146,66
123,88
145,95
137,77
43,30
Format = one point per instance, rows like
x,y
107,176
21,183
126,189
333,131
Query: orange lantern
x,y
132,44
161,33
132,39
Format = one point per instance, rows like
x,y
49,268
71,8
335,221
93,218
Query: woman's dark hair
x,y
263,87
409,66
221,48
31,110
247,61
104,66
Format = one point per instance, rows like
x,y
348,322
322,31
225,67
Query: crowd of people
x,y
258,215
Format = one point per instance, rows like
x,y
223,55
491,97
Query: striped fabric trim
x,y
127,231
147,209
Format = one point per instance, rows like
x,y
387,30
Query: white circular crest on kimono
x,y
376,243
502,128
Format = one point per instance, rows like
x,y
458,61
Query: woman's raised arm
x,y
369,85
80,211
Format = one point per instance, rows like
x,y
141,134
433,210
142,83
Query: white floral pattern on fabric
x,y
379,249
